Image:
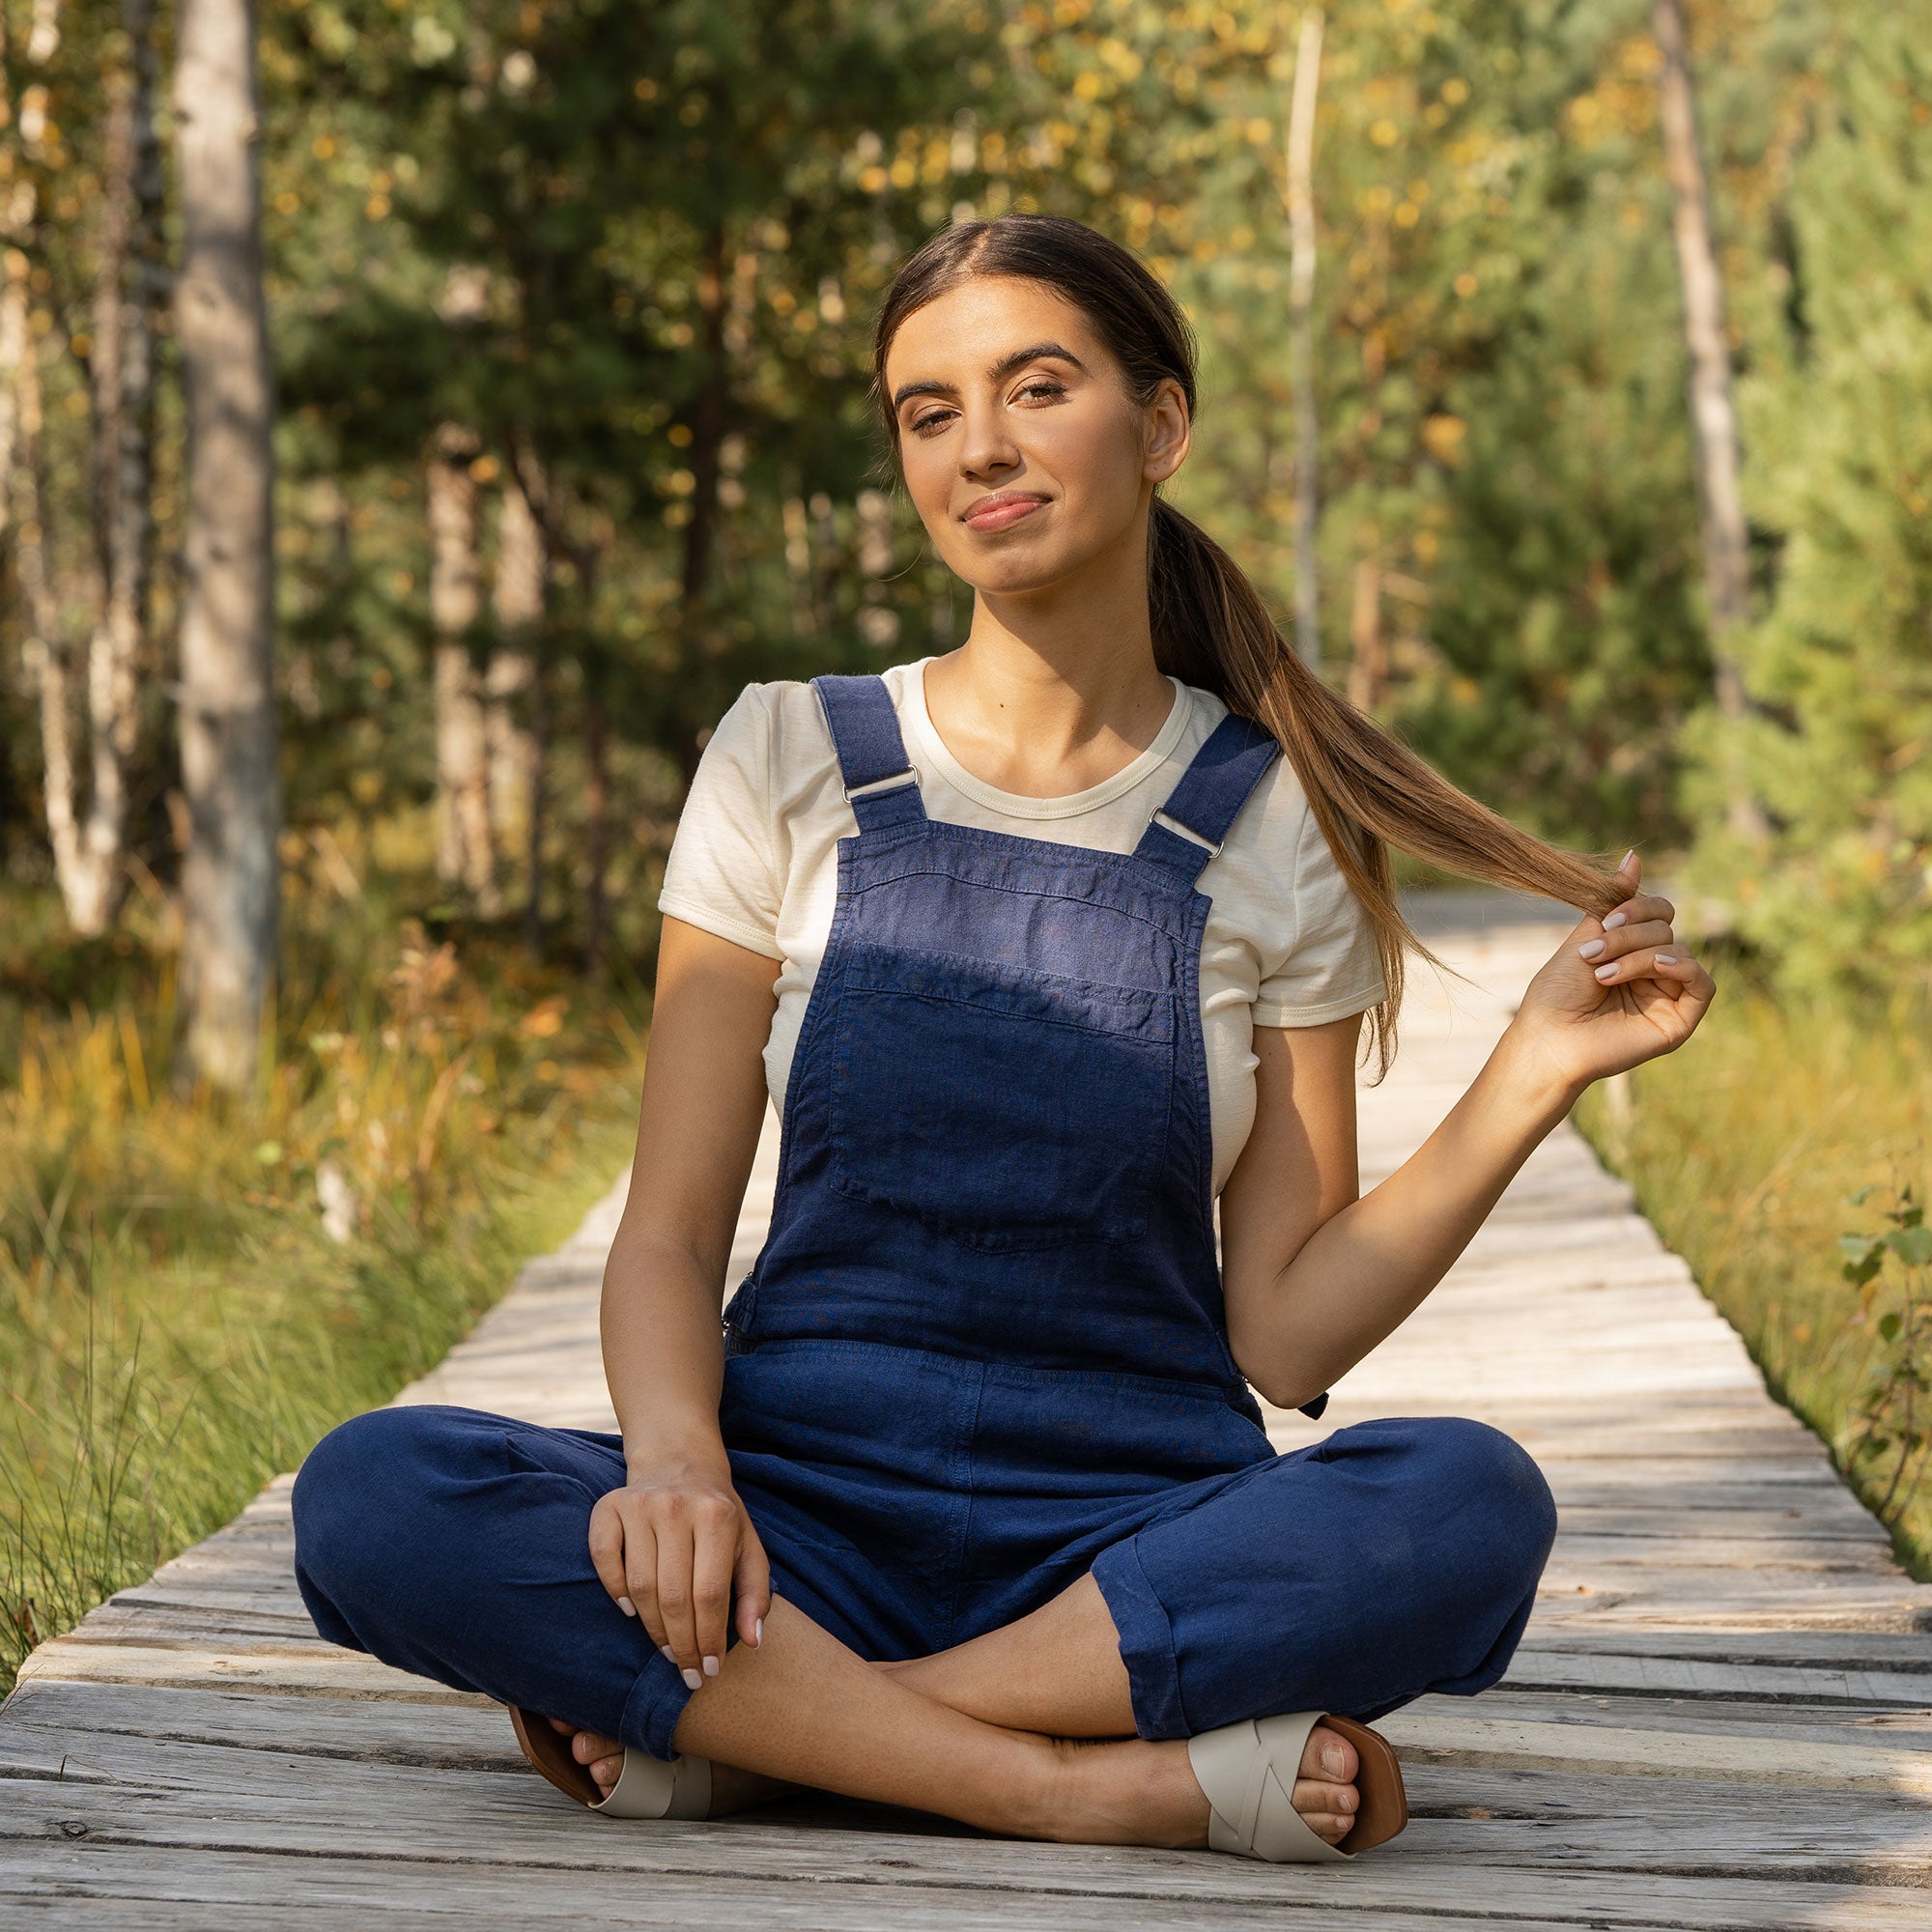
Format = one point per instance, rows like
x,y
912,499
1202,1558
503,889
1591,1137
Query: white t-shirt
x,y
755,860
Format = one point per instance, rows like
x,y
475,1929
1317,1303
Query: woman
x,y
1042,948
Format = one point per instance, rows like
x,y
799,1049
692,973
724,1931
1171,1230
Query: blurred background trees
x,y
569,308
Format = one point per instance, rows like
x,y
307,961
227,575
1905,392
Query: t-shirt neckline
x,y
930,751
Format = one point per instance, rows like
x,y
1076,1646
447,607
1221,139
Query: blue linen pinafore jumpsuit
x,y
983,1351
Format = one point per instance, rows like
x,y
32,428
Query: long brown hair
x,y
1367,790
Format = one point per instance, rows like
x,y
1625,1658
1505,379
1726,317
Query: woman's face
x,y
1024,452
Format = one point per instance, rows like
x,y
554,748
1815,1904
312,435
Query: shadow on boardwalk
x,y
1722,1717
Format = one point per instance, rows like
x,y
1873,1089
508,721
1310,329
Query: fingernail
x,y
711,1666
1627,858
1667,959
629,1609
1607,972
757,1631
665,1652
1590,948
691,1679
1616,918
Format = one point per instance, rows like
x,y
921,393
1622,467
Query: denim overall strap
x,y
881,786
1208,798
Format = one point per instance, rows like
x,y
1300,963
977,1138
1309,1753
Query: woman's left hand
x,y
1619,990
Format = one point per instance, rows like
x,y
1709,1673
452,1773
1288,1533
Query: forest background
x,y
525,351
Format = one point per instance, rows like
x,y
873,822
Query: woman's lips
x,y
1002,510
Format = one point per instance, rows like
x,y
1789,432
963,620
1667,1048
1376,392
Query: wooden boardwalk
x,y
1721,1716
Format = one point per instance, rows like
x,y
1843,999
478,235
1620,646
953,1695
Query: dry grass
x,y
1745,1151
177,1322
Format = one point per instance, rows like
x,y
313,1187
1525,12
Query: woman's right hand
x,y
676,1549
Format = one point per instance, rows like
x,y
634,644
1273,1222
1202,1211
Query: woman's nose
x,y
988,449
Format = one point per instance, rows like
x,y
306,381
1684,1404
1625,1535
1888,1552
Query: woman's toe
x,y
1328,1757
602,1757
1312,1794
1326,1825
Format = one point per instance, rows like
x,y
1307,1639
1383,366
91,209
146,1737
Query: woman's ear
x,y
1169,433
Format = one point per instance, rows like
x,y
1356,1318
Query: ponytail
x,y
1367,789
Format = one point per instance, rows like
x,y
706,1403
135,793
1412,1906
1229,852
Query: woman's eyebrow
x,y
1000,369
1039,353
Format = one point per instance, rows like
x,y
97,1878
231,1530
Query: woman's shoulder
x,y
1276,816
777,731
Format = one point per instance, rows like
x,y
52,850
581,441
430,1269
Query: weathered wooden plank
x,y
318,1671
1435,1736
1706,1516
1792,1727
1859,1650
1839,1556
1610,1811
207,1890
1595,1670
932,1877
474,1735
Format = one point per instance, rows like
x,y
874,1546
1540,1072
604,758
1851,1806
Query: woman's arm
x,y
675,1546
1315,1277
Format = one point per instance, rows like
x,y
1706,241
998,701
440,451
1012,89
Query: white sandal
x,y
1248,1772
647,1787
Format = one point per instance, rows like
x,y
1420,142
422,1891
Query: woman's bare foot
x,y
731,1789
1135,1793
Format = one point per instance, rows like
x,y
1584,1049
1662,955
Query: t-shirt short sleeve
x,y
722,874
1332,970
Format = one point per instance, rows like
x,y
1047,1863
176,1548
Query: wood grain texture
x,y
1722,1717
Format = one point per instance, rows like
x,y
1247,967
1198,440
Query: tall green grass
x,y
177,1321
1746,1150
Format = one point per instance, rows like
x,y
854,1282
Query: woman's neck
x,y
1054,691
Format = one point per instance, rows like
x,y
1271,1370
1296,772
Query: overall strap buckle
x,y
879,781
1192,827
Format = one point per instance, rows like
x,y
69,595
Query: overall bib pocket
x,y
1009,1111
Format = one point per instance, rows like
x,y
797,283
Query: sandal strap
x,y
1248,1772
648,1787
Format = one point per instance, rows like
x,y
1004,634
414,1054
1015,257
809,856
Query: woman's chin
x,y
1017,571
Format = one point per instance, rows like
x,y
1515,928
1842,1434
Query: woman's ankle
x,y
1032,1795
1119,1792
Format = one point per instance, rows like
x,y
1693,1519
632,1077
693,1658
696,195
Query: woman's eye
x,y
1043,386
934,420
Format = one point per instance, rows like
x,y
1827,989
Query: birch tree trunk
x,y
16,214
516,603
129,295
45,647
518,599
229,881
596,828
1713,414
466,849
87,841
1301,337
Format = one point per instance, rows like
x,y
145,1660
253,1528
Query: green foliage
x,y
1897,1407
1841,438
